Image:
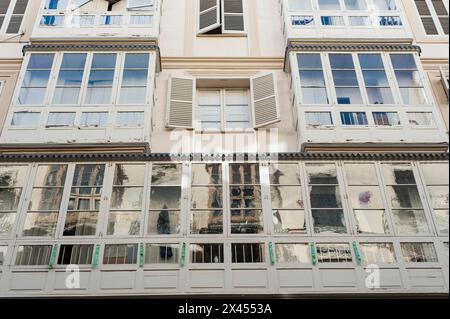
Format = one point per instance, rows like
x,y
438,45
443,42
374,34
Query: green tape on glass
x,y
357,254
141,255
53,256
313,254
183,255
272,255
96,256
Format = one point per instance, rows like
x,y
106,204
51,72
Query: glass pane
x,y
289,222
378,253
162,253
361,174
365,197
442,220
334,253
11,176
40,224
413,96
31,96
355,4
166,174
206,197
312,78
410,221
246,221
309,61
3,251
124,224
315,96
129,175
247,174
86,198
133,95
6,223
207,222
75,254
286,197
80,224
347,95
322,174
127,198
33,255
380,96
419,252
89,175
325,197
439,196
120,254
52,175
205,174
299,5
207,253
329,221
371,222
398,174
167,197
247,253
293,253
246,197
36,78
164,223
30,119
434,174
385,5
329,5
48,199
9,198
403,61
404,197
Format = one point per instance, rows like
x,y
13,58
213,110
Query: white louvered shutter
x,y
208,15
180,103
233,16
265,100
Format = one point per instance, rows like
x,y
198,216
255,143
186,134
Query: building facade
x,y
226,147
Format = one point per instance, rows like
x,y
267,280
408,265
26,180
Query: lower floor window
x,y
120,254
27,119
375,253
130,119
421,118
334,253
33,255
419,252
75,254
61,119
162,254
247,253
293,253
207,253
386,118
314,119
354,118
3,251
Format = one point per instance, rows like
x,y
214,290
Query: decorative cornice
x,y
225,157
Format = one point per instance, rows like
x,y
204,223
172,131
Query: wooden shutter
x,y
265,100
425,16
233,16
208,15
180,103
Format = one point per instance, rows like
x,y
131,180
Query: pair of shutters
x,y
181,101
17,15
225,14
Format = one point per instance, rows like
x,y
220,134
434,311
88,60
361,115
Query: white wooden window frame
x,y
221,20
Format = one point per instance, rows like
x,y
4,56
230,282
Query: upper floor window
x,y
3,251
434,16
221,16
312,79
12,13
375,79
345,79
33,255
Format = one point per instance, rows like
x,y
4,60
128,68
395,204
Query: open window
x,y
221,16
222,104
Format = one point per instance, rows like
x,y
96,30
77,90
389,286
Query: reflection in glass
x,y
6,223
162,254
207,222
120,254
247,253
167,197
166,174
329,221
325,197
9,198
321,174
378,253
33,255
293,253
127,198
123,224
164,222
244,174
246,222
89,175
404,197
419,252
40,224
289,221
365,197
334,253
80,224
206,174
371,222
410,221
207,253
48,199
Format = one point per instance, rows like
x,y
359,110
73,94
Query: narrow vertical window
x,y
101,78
375,79
345,79
312,79
70,78
17,16
134,79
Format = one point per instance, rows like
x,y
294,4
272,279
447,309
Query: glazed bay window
x,y
325,198
365,198
434,16
312,79
293,253
378,253
75,254
126,200
162,254
207,199
207,253
12,181
404,198
288,209
68,86
375,79
120,254
33,255
409,79
437,183
84,202
165,200
419,253
334,253
250,253
345,79
245,199
45,203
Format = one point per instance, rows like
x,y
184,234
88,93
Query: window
x,y
207,199
404,198
52,20
94,119
61,119
130,119
245,199
288,208
111,20
437,181
83,20
247,253
140,4
221,16
300,5
312,79
375,79
3,251
332,20
434,16
35,80
409,79
56,4
75,254
165,200
134,79
33,255
207,253
25,119
354,118
378,253
390,21
101,78
386,118
141,20
70,78
384,5
45,203
235,109
421,119
121,254
365,198
302,20
419,253
84,201
318,119
162,254
345,79
11,15
355,4
325,199
329,5
293,253
360,21
12,181
334,253
126,200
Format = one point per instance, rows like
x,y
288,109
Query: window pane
x,y
321,174
355,4
36,78
30,119
124,224
299,5
6,223
237,110
325,197
244,174
40,224
398,174
135,78
285,197
75,254
68,86
129,175
404,197
48,199
60,119
329,221
376,253
334,253
293,253
89,175
329,5
410,221
365,197
80,224
96,119
385,5
248,253
332,20
371,222
302,20
246,221
3,251
419,252
354,118
386,118
312,79
162,254
101,78
206,253
360,21
361,174
9,198
435,173
33,255
206,197
164,222
206,174
165,197
166,174
284,174
207,222
120,254
289,221
130,119
420,119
